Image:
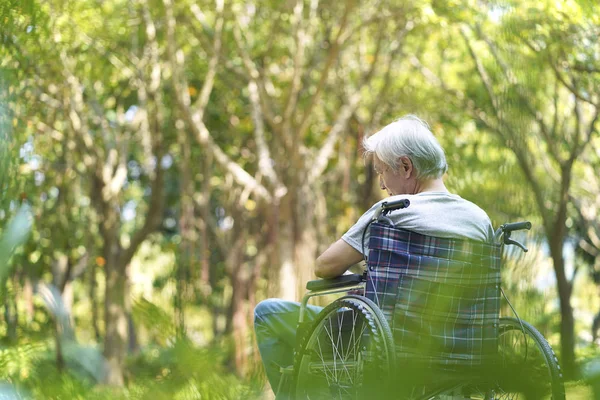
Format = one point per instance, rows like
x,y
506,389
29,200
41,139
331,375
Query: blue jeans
x,y
275,323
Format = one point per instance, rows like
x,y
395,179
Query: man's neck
x,y
430,185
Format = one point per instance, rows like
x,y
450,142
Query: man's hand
x,y
336,260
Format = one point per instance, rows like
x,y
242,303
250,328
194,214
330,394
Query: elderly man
x,y
410,163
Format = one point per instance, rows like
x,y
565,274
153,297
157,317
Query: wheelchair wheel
x,y
347,354
527,367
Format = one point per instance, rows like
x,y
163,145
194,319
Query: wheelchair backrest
x,y
440,296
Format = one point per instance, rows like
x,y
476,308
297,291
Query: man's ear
x,y
406,167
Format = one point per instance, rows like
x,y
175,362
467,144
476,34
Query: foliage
x,y
181,371
178,161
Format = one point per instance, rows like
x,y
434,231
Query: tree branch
x,y
154,122
111,55
555,101
254,74
322,159
483,75
298,68
481,115
54,134
76,107
264,157
209,79
332,56
587,135
590,228
586,68
194,120
560,77
512,80
320,162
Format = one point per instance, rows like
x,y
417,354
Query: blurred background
x,y
167,164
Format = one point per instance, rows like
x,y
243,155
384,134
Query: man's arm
x,y
336,260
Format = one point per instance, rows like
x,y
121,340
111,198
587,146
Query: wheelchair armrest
x,y
334,283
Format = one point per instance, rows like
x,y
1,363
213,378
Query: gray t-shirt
x,y
438,214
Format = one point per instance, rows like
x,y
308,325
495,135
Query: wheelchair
x,y
351,351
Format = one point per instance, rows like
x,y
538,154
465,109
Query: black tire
x,y
527,367
346,354
543,374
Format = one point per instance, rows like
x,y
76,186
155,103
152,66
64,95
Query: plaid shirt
x,y
440,296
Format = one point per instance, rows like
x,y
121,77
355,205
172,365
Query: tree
x,y
97,90
516,50
291,89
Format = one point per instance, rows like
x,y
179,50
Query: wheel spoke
x,y
336,352
331,361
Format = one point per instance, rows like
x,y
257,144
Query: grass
x,y
578,391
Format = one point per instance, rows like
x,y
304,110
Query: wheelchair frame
x,y
352,282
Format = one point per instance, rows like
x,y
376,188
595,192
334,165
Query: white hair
x,y
408,136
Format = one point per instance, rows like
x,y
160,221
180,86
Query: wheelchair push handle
x,y
516,226
389,206
507,229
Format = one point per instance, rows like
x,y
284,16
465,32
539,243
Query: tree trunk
x,y
28,296
204,248
180,288
60,360
557,237
367,195
567,322
239,283
115,315
132,344
305,249
184,269
94,303
567,334
287,274
67,295
204,254
286,243
10,316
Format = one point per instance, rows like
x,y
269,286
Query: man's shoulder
x,y
434,201
450,199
